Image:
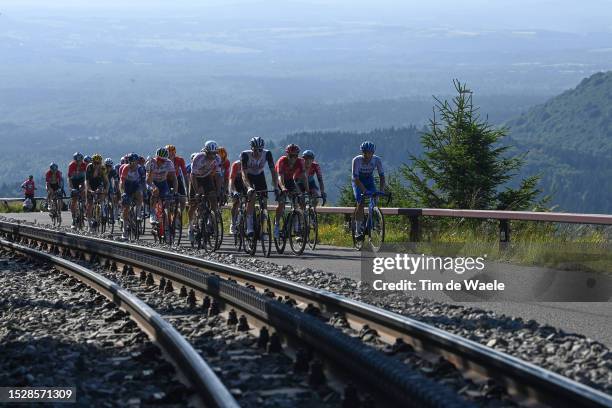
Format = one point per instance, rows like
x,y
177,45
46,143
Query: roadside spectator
x,y
29,188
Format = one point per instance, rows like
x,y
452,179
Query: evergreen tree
x,y
464,165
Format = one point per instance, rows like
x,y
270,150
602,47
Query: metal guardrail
x,y
415,214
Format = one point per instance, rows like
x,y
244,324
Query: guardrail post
x,y
504,234
415,228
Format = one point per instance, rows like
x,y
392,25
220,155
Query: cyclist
x,y
87,159
252,168
312,168
160,170
95,179
181,174
54,182
76,181
132,178
223,173
203,179
236,189
113,180
28,188
363,179
290,169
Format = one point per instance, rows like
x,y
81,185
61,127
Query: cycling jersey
x,y
202,166
256,166
53,177
313,170
159,168
179,166
236,171
363,170
132,175
95,176
112,173
224,168
76,173
288,172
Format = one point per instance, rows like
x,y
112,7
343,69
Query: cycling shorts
x,y
368,183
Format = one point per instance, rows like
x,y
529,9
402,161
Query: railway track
x,y
191,368
306,315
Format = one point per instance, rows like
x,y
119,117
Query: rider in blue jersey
x,y
363,179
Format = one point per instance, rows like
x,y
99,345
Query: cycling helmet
x,y
132,157
87,159
77,156
171,148
292,149
53,166
222,153
96,158
108,162
141,160
161,152
211,147
193,155
308,154
368,146
124,159
257,143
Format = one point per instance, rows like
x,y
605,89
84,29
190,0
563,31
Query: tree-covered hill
x,y
569,139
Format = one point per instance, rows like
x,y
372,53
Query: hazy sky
x,y
560,15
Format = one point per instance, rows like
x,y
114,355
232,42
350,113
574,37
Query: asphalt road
x,y
592,319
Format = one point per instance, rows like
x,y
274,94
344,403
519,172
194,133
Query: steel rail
x,y
521,378
389,377
200,376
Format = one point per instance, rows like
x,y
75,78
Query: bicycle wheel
x,y
238,237
177,223
357,241
250,243
110,218
296,232
211,233
265,233
81,215
219,239
281,241
377,230
312,228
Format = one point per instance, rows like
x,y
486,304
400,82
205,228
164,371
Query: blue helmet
x,y
87,159
109,162
77,156
308,154
368,146
132,157
53,166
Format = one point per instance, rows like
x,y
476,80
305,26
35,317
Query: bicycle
x,y
293,228
145,211
97,216
108,216
78,217
373,224
312,222
238,222
262,227
164,230
55,209
205,230
132,223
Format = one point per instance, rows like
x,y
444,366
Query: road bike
x,y
78,218
97,220
205,230
239,233
132,224
373,226
262,227
312,222
165,229
293,228
55,208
